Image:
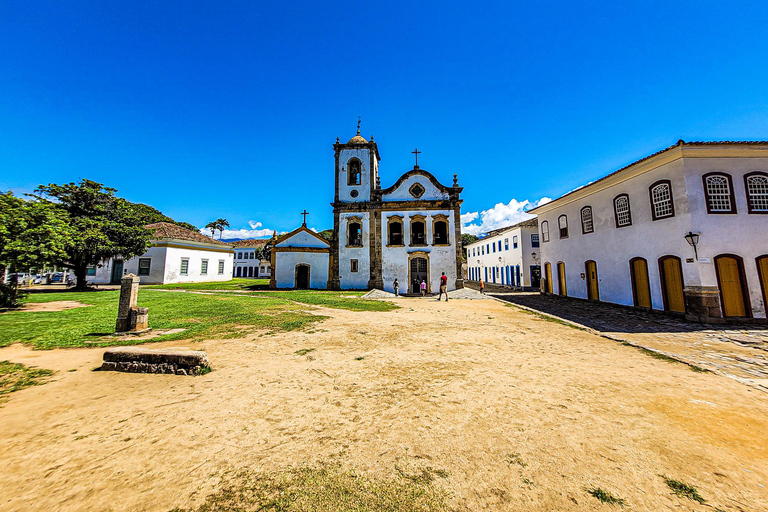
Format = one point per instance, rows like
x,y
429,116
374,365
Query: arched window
x,y
440,232
587,226
418,232
545,231
395,229
756,185
661,200
355,235
718,191
562,223
353,171
621,211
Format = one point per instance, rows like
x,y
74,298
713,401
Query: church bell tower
x,y
357,169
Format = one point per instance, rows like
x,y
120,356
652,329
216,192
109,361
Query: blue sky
x,y
229,109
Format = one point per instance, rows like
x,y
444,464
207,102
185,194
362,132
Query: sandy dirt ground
x,y
57,305
461,386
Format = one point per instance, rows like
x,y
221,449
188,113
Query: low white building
x,y
301,259
247,261
507,256
177,255
622,238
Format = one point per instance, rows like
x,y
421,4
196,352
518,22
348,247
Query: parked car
x,y
57,277
22,277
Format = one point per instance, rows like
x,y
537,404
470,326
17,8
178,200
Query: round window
x,y
354,193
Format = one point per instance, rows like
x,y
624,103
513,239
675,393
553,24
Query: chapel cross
x,y
304,213
416,152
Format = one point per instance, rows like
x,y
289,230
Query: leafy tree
x,y
102,225
32,234
213,227
149,215
467,239
327,234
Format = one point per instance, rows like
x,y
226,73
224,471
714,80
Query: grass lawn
x,y
234,284
14,377
219,315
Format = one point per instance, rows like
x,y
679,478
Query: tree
x,y
221,224
213,227
150,215
102,226
32,234
327,234
467,239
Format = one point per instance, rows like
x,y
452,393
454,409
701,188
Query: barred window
x,y
535,240
622,211
545,231
221,266
144,265
204,267
587,226
184,270
661,200
717,188
757,192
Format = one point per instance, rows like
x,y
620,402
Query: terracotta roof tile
x,y
250,243
168,230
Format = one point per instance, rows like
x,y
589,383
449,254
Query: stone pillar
x,y
702,304
129,292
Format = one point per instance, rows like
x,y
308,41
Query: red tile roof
x,y
252,243
168,230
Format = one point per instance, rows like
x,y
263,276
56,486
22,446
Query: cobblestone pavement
x,y
463,293
737,351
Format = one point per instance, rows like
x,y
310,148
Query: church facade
x,y
410,231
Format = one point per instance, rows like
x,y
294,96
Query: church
x,y
410,231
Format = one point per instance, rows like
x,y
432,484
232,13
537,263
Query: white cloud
x,y
500,216
256,231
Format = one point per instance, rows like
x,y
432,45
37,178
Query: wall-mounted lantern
x,y
693,240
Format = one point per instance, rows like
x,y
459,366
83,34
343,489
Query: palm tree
x,y
221,224
212,226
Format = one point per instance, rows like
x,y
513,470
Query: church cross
x,y
416,152
304,213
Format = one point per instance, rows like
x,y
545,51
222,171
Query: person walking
x,y
423,288
482,287
443,287
396,286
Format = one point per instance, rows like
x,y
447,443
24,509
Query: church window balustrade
x,y
395,231
353,171
440,230
418,230
355,234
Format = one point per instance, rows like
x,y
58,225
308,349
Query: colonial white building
x,y
247,261
177,255
507,256
301,259
683,230
409,231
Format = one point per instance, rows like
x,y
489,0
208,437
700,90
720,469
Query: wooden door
x,y
562,290
593,289
548,277
672,284
730,280
641,286
762,272
302,277
117,271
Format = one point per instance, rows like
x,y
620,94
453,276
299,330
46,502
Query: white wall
x,y
395,259
285,268
402,193
512,257
165,266
354,280
743,234
364,188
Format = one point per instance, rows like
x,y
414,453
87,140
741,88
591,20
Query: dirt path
x,y
460,386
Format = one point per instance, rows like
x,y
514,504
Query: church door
x,y
535,276
418,273
302,277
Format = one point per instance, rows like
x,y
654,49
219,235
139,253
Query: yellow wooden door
x,y
673,285
593,290
762,270
561,279
548,275
642,285
731,289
